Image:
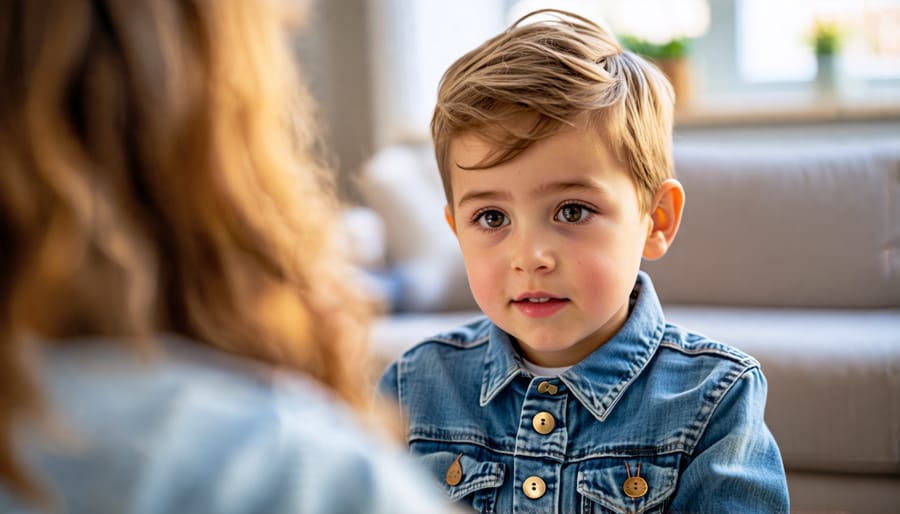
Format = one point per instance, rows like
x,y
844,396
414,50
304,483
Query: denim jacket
x,y
658,419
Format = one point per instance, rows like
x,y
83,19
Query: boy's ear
x,y
665,215
449,217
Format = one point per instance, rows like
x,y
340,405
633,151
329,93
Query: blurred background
x,y
744,70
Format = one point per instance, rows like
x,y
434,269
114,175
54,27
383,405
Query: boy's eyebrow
x,y
471,196
558,187
550,187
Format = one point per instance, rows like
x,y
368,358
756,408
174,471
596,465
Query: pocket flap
x,y
604,482
476,474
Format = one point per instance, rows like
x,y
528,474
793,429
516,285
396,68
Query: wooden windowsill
x,y
790,108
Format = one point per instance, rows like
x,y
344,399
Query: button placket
x,y
542,425
541,442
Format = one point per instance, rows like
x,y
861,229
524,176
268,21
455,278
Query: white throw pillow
x,y
402,184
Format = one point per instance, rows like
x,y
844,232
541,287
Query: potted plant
x,y
662,31
827,40
670,57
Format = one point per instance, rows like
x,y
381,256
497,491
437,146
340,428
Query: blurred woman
x,y
176,331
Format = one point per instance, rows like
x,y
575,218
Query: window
x,y
773,38
414,42
753,52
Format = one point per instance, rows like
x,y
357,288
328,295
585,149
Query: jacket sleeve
x,y
387,385
736,466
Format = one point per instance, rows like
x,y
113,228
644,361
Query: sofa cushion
x,y
839,493
834,380
810,226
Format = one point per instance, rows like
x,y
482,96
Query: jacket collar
x,y
602,377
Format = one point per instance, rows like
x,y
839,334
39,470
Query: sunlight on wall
x,y
656,21
421,40
773,48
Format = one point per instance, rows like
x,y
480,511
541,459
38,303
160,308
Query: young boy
x,y
574,394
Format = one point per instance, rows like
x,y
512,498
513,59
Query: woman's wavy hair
x,y
160,172
553,69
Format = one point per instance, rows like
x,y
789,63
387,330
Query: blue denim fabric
x,y
685,410
197,431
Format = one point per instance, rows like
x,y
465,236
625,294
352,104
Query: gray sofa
x,y
790,252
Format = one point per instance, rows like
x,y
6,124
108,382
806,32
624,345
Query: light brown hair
x,y
159,173
552,69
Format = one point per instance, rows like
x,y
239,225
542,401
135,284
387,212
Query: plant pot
x,y
678,71
827,74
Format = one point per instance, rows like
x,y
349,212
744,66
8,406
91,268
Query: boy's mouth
x,y
539,297
539,305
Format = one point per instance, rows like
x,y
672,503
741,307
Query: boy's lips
x,y
539,304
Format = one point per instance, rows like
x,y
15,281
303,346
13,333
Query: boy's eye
x,y
491,219
572,213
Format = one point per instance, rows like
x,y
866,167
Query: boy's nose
x,y
532,253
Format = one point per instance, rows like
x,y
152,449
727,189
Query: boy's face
x,y
552,241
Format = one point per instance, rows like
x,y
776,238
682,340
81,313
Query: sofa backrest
x,y
812,226
795,225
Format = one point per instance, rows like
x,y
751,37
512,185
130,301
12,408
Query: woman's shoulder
x,y
189,428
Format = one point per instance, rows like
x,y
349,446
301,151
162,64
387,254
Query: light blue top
x,y
194,430
658,419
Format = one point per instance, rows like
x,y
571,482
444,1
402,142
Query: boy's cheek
x,y
484,281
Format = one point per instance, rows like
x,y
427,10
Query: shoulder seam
x,y
717,349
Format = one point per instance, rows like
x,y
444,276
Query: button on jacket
x,y
658,419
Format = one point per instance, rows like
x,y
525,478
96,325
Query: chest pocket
x,y
467,477
608,485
